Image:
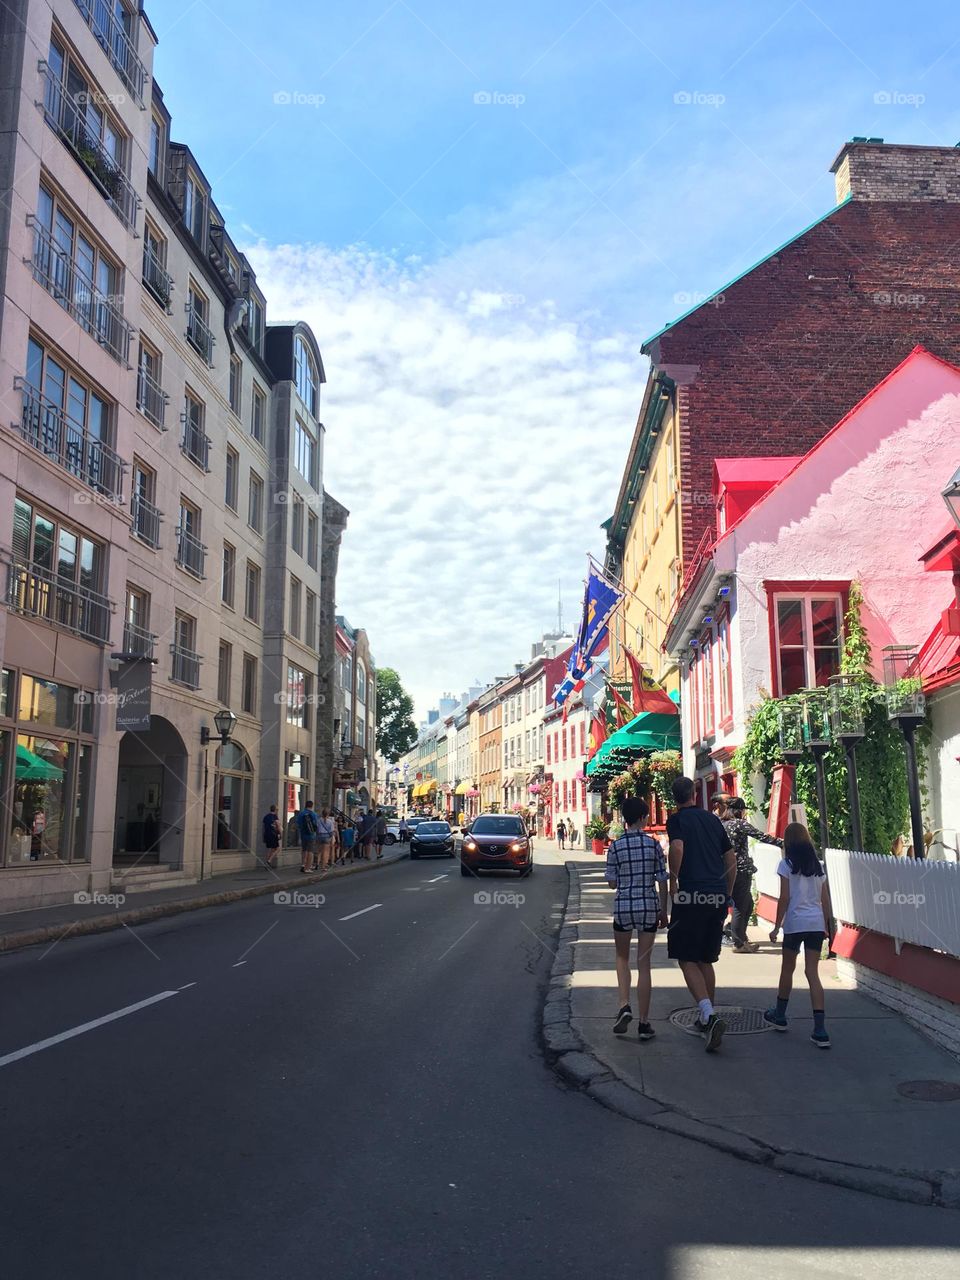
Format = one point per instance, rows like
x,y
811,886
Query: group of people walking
x,y
707,871
326,838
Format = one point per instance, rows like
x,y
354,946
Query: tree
x,y
396,732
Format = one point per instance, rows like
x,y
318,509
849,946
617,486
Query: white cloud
x,y
477,440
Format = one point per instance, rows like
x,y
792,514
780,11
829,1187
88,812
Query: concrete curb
x,y
177,906
582,1069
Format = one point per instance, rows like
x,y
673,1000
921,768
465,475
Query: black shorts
x,y
629,928
695,935
810,941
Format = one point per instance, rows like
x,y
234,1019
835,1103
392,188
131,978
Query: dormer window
x,y
306,376
194,209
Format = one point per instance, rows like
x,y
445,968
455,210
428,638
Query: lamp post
x,y
848,728
790,728
951,496
225,722
907,705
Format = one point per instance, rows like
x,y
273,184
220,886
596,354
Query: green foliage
x,y
881,760
597,829
396,731
666,767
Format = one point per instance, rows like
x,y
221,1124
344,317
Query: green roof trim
x,y
661,389
759,263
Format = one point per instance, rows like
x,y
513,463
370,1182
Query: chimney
x,y
871,169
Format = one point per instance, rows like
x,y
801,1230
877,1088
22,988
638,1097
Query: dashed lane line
x,y
361,913
84,1027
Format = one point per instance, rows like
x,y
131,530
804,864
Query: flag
x,y
625,712
600,599
647,694
598,732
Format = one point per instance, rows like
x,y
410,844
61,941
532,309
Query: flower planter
x,y
599,847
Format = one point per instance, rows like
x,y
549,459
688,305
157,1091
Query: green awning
x,y
649,731
33,768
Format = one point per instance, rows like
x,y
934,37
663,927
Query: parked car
x,y
393,831
496,842
431,837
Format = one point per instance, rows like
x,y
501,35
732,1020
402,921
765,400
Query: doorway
x,y
151,797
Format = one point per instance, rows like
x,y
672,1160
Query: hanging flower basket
x,y
535,788
666,767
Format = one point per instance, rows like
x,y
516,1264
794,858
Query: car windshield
x,y
497,826
433,829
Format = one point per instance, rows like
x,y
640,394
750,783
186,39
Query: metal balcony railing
x,y
53,433
137,641
186,666
156,277
152,400
191,553
146,520
199,334
38,593
101,18
66,117
195,444
98,314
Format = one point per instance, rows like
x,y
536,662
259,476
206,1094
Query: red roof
x,y
939,660
944,555
751,473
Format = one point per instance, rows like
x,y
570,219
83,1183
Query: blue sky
x,y
481,273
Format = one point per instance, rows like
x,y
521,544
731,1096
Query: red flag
x,y
624,710
598,732
647,694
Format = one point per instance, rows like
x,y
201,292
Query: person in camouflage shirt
x,y
740,831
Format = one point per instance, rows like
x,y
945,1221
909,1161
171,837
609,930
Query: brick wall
x,y
880,171
805,335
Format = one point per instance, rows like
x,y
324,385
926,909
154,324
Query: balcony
x,y
98,314
65,117
152,400
156,278
37,593
199,334
195,445
191,553
145,521
137,642
186,667
109,32
46,427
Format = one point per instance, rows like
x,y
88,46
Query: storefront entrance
x,y
151,797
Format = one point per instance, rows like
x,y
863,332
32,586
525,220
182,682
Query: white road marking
x,y
415,889
187,987
436,878
361,913
86,1026
238,964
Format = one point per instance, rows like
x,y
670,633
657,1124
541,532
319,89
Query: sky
x,y
483,212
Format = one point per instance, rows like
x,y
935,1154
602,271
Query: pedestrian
x,y
368,829
561,833
307,827
703,867
380,832
572,834
325,832
718,804
404,832
637,871
803,910
271,837
740,831
348,838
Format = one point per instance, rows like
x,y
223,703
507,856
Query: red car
x,y
496,842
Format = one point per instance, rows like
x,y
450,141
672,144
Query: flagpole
x,y
626,591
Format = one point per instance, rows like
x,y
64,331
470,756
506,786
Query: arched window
x,y
233,795
306,374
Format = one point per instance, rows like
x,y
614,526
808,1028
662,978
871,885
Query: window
x,y
223,673
155,155
808,639
361,685
361,733
298,694
233,798
306,376
232,484
248,693
725,672
255,503
258,414
251,607
228,575
310,626
304,452
236,384
137,637
155,275
56,574
199,333
253,322
186,661
706,684
191,553
656,505
145,518
195,442
313,540
296,525
583,737
296,605
671,468
563,740
548,749
151,399
194,209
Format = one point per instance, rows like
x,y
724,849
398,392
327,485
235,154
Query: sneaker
x,y
624,1018
713,1032
746,948
645,1031
821,1039
777,1020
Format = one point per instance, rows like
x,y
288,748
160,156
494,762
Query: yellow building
x,y
644,541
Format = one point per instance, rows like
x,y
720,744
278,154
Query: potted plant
x,y
598,831
665,767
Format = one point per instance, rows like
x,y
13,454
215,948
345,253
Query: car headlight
x,y
469,844
516,848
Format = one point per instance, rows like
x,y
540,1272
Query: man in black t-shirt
x,y
703,867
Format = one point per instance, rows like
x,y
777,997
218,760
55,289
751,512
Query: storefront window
x,y
233,796
297,769
40,813
43,702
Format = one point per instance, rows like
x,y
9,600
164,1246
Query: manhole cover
x,y
740,1022
930,1090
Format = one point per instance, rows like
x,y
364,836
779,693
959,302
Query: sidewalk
x,y
48,924
837,1115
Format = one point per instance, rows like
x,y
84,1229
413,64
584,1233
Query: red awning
x,y
751,473
939,660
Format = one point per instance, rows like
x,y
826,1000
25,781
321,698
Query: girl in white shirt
x,y
803,910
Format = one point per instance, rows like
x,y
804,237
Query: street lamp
x,y
790,731
225,722
848,728
816,738
951,496
907,705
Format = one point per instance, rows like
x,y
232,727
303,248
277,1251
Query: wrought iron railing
x,y
199,334
66,116
53,433
38,593
186,666
100,315
156,277
195,444
146,520
151,398
191,553
101,18
137,641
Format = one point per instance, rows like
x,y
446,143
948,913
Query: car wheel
x,y
414,854
391,838
465,871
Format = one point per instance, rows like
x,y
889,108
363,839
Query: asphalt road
x,y
366,1097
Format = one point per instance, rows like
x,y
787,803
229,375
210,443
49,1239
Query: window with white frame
x,y
808,639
